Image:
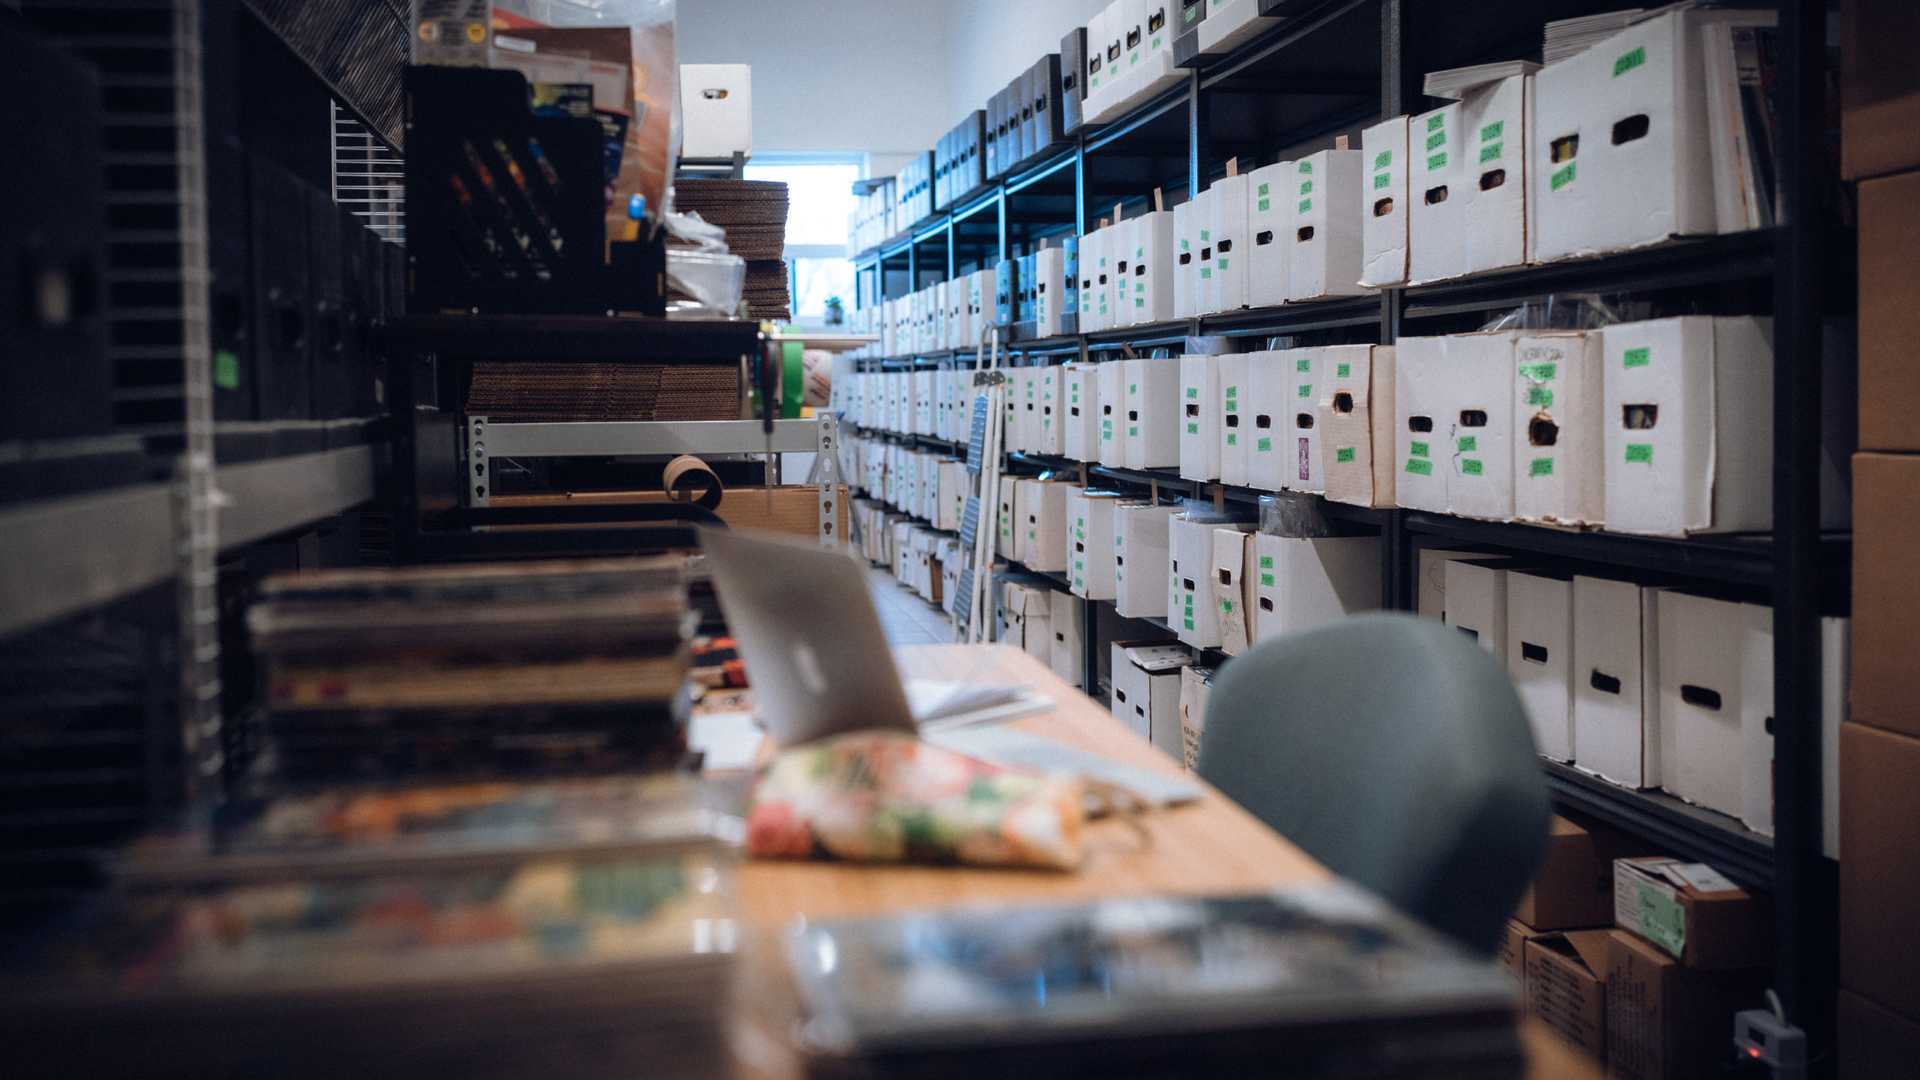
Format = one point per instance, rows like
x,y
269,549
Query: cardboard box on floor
x,y
1879,874
1573,889
1875,1043
1692,912
1667,1021
1513,949
1879,89
1566,987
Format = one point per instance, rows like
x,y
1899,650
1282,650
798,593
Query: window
x,y
820,203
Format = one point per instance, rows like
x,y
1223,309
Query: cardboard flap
x,y
1591,947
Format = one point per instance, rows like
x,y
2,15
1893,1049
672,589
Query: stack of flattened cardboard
x,y
544,393
754,215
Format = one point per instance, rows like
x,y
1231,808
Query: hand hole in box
x,y
1305,234
1263,238
1700,697
1420,424
1189,585
1186,257
1193,408
1266,603
1119,695
1533,654
1264,423
1473,418
1603,682
1133,38
1206,253
1639,417
1226,246
1078,546
1074,410
1436,195
1303,421
1156,20
1226,576
1107,410
1382,207
1343,402
1233,420
1565,148
1492,178
1631,128
1133,415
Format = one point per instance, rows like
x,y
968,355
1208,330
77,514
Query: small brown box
x,y
1666,1021
1884,690
1889,390
1880,876
1876,1043
1879,87
1574,888
1566,987
1513,949
1693,914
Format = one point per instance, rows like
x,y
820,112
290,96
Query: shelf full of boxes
x,y
1571,395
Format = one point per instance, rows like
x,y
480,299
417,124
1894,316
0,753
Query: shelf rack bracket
x,y
479,469
825,475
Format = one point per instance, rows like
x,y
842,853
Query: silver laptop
x,y
813,646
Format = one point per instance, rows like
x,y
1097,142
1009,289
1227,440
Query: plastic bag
x,y
653,136
1293,515
1571,311
715,280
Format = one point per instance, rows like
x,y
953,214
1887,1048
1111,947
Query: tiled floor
x,y
907,619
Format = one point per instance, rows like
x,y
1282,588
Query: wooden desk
x,y
1211,847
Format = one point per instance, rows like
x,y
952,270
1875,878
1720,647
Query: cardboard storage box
x,y
1090,539
1113,413
1666,1021
1050,434
1356,423
1383,200
1879,875
1875,1043
1120,260
1437,222
1886,592
1153,412
1199,418
1233,426
1566,987
1191,608
1424,393
1146,692
1229,583
1009,536
1140,538
1692,912
1190,219
1196,687
1224,276
1757,714
1889,391
1092,299
1493,155
1151,291
1616,666
1879,88
1069,626
1030,613
1706,730
1326,253
1540,656
1049,288
1270,227
1080,431
716,106
1512,954
1229,24
1270,387
1573,889
1619,146
1300,460
1689,425
1432,600
1558,456
1302,583
1477,603
1042,519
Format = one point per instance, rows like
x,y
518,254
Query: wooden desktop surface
x,y
1211,847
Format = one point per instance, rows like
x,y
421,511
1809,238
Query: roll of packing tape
x,y
688,479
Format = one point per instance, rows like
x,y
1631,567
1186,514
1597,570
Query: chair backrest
x,y
1396,752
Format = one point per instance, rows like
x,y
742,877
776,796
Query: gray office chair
x,y
1395,751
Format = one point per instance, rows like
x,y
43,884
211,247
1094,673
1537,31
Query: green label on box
x,y
1639,357
1193,391
1133,431
1266,581
1193,428
1381,180
226,370
1305,205
1420,468
1343,371
1306,168
1205,235
1490,153
1344,455
1306,187
1434,121
1226,264
1629,61
1563,177
1469,443
1265,205
1640,453
1189,623
1206,273
1306,390
1265,445
1303,365
1383,159
1266,562
1471,467
1226,606
1540,397
1233,438
1419,449
1662,920
1265,190
1539,372
1492,131
1541,467
1437,162
1436,140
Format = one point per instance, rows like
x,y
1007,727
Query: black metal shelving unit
x,y
1339,65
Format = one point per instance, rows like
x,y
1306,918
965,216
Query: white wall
x,y
991,41
832,75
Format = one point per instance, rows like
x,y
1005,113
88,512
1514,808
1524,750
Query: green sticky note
x,y
1639,453
226,370
1226,264
1469,443
1420,468
1193,428
1205,235
1266,581
1541,467
1562,178
1133,388
1189,623
1471,467
1490,152
1266,562
1226,606
1381,180
1233,438
1133,431
1306,168
1539,372
1540,397
1436,140
1305,205
1629,61
1492,131
1639,357
1233,391
1662,920
1437,162
1193,391
1303,365
1265,445
1265,205
1434,121
1343,371
1383,159
1419,449
1344,455
1306,187
1306,390
1205,273
1265,190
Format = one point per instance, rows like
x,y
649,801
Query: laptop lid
x,y
816,656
